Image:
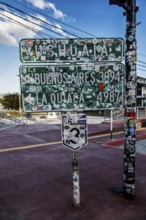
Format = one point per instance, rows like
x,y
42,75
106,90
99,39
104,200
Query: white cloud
x,y
38,3
11,32
7,39
59,30
42,4
57,13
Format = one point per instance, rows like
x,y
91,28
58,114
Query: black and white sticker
x,y
74,130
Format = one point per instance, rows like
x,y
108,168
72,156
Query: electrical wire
x,y
140,54
141,65
41,34
50,17
141,62
18,23
141,69
34,17
32,22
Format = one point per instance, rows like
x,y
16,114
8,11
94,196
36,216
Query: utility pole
x,y
129,97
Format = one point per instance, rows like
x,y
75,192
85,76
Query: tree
x,y
10,101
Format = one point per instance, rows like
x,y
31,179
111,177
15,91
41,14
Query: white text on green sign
x,y
73,87
72,50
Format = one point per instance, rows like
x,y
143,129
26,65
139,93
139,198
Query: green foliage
x,y
13,114
10,101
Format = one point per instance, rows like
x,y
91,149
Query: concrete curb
x,y
120,141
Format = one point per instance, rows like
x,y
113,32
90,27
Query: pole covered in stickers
x,y
130,101
130,97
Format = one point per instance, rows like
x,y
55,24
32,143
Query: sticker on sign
x,y
74,130
72,88
72,50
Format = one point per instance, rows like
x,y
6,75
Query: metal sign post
x,y
111,127
74,137
76,183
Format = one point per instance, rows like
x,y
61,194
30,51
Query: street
x,y
36,177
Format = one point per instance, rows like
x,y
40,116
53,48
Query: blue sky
x,y
95,17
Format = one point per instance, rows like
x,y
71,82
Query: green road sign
x,y
74,87
71,50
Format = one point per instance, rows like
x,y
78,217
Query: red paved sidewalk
x,y
120,141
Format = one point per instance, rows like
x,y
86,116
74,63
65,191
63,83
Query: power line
x,y
7,18
18,23
50,17
38,19
141,65
141,69
143,55
141,61
31,22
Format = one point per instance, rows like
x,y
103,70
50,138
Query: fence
x,y
118,115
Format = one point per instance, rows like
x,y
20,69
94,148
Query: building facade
x,y
141,92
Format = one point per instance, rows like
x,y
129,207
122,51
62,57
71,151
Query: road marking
x,y
55,142
28,147
45,144
9,126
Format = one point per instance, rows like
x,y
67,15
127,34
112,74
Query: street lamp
x,y
120,3
117,2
